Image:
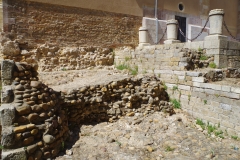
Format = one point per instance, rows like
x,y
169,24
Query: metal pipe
x,y
156,12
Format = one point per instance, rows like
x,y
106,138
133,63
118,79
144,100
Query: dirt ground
x,y
141,137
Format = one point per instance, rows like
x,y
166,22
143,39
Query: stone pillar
x,y
216,21
143,36
172,31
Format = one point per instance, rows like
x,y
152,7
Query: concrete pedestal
x,y
215,37
143,37
216,19
172,31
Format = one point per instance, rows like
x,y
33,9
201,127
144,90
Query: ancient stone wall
x,y
225,54
50,57
68,26
108,102
35,119
33,123
197,88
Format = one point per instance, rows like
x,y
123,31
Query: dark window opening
x,y
181,7
182,25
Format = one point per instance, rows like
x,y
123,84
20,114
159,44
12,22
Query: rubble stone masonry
x,y
67,26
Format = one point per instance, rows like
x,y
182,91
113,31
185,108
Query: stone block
x,y
7,69
233,45
180,73
193,74
183,87
195,89
175,59
181,77
213,51
7,114
163,71
196,45
230,95
235,90
17,154
197,84
216,44
223,61
7,94
169,85
8,137
198,79
226,88
183,64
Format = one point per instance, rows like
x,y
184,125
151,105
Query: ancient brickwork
x,y
68,26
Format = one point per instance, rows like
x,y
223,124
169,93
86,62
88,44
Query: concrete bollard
x,y
216,20
143,36
172,31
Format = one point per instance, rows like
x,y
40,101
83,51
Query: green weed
x,y
218,133
175,88
169,149
200,49
127,59
200,123
165,86
221,136
176,103
63,145
234,137
212,65
211,128
122,67
205,102
203,57
118,143
134,71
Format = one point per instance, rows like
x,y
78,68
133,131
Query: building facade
x,y
94,22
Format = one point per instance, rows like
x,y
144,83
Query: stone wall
x,y
35,119
109,102
51,57
68,26
34,126
196,88
225,54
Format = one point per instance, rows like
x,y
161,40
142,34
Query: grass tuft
x,y
169,149
212,65
176,103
